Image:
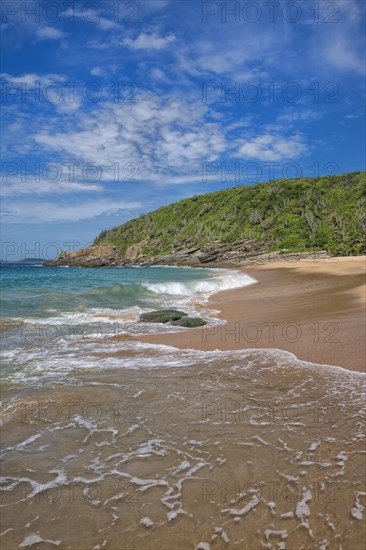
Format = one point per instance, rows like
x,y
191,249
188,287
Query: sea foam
x,y
226,280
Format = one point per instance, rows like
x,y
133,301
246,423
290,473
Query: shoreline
x,y
314,310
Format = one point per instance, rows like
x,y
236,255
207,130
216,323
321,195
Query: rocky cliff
x,y
213,254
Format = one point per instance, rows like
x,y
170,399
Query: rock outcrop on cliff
x,y
241,253
93,256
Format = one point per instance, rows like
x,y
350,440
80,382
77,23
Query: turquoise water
x,y
40,292
56,319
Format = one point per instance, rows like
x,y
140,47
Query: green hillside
x,y
327,213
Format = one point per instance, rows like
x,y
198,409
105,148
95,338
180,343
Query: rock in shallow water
x,y
162,316
190,322
172,316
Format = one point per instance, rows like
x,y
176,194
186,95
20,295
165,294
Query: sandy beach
x,y
313,309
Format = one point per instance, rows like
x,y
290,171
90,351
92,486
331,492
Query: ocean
x,y
112,443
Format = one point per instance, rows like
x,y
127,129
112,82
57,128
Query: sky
x,y
111,109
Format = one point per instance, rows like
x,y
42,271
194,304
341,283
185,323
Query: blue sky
x,y
112,109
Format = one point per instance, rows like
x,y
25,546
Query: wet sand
x,y
315,310
229,450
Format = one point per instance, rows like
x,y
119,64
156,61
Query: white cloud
x,y
52,88
77,12
231,52
158,74
254,52
106,24
149,6
22,212
150,41
341,47
12,185
342,53
30,79
98,45
105,71
296,115
161,140
49,33
98,71
273,147
160,136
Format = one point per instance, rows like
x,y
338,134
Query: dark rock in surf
x,y
162,316
190,322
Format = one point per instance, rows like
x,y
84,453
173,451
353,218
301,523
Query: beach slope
x,y
313,309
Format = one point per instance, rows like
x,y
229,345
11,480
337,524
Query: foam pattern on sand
x,y
249,449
